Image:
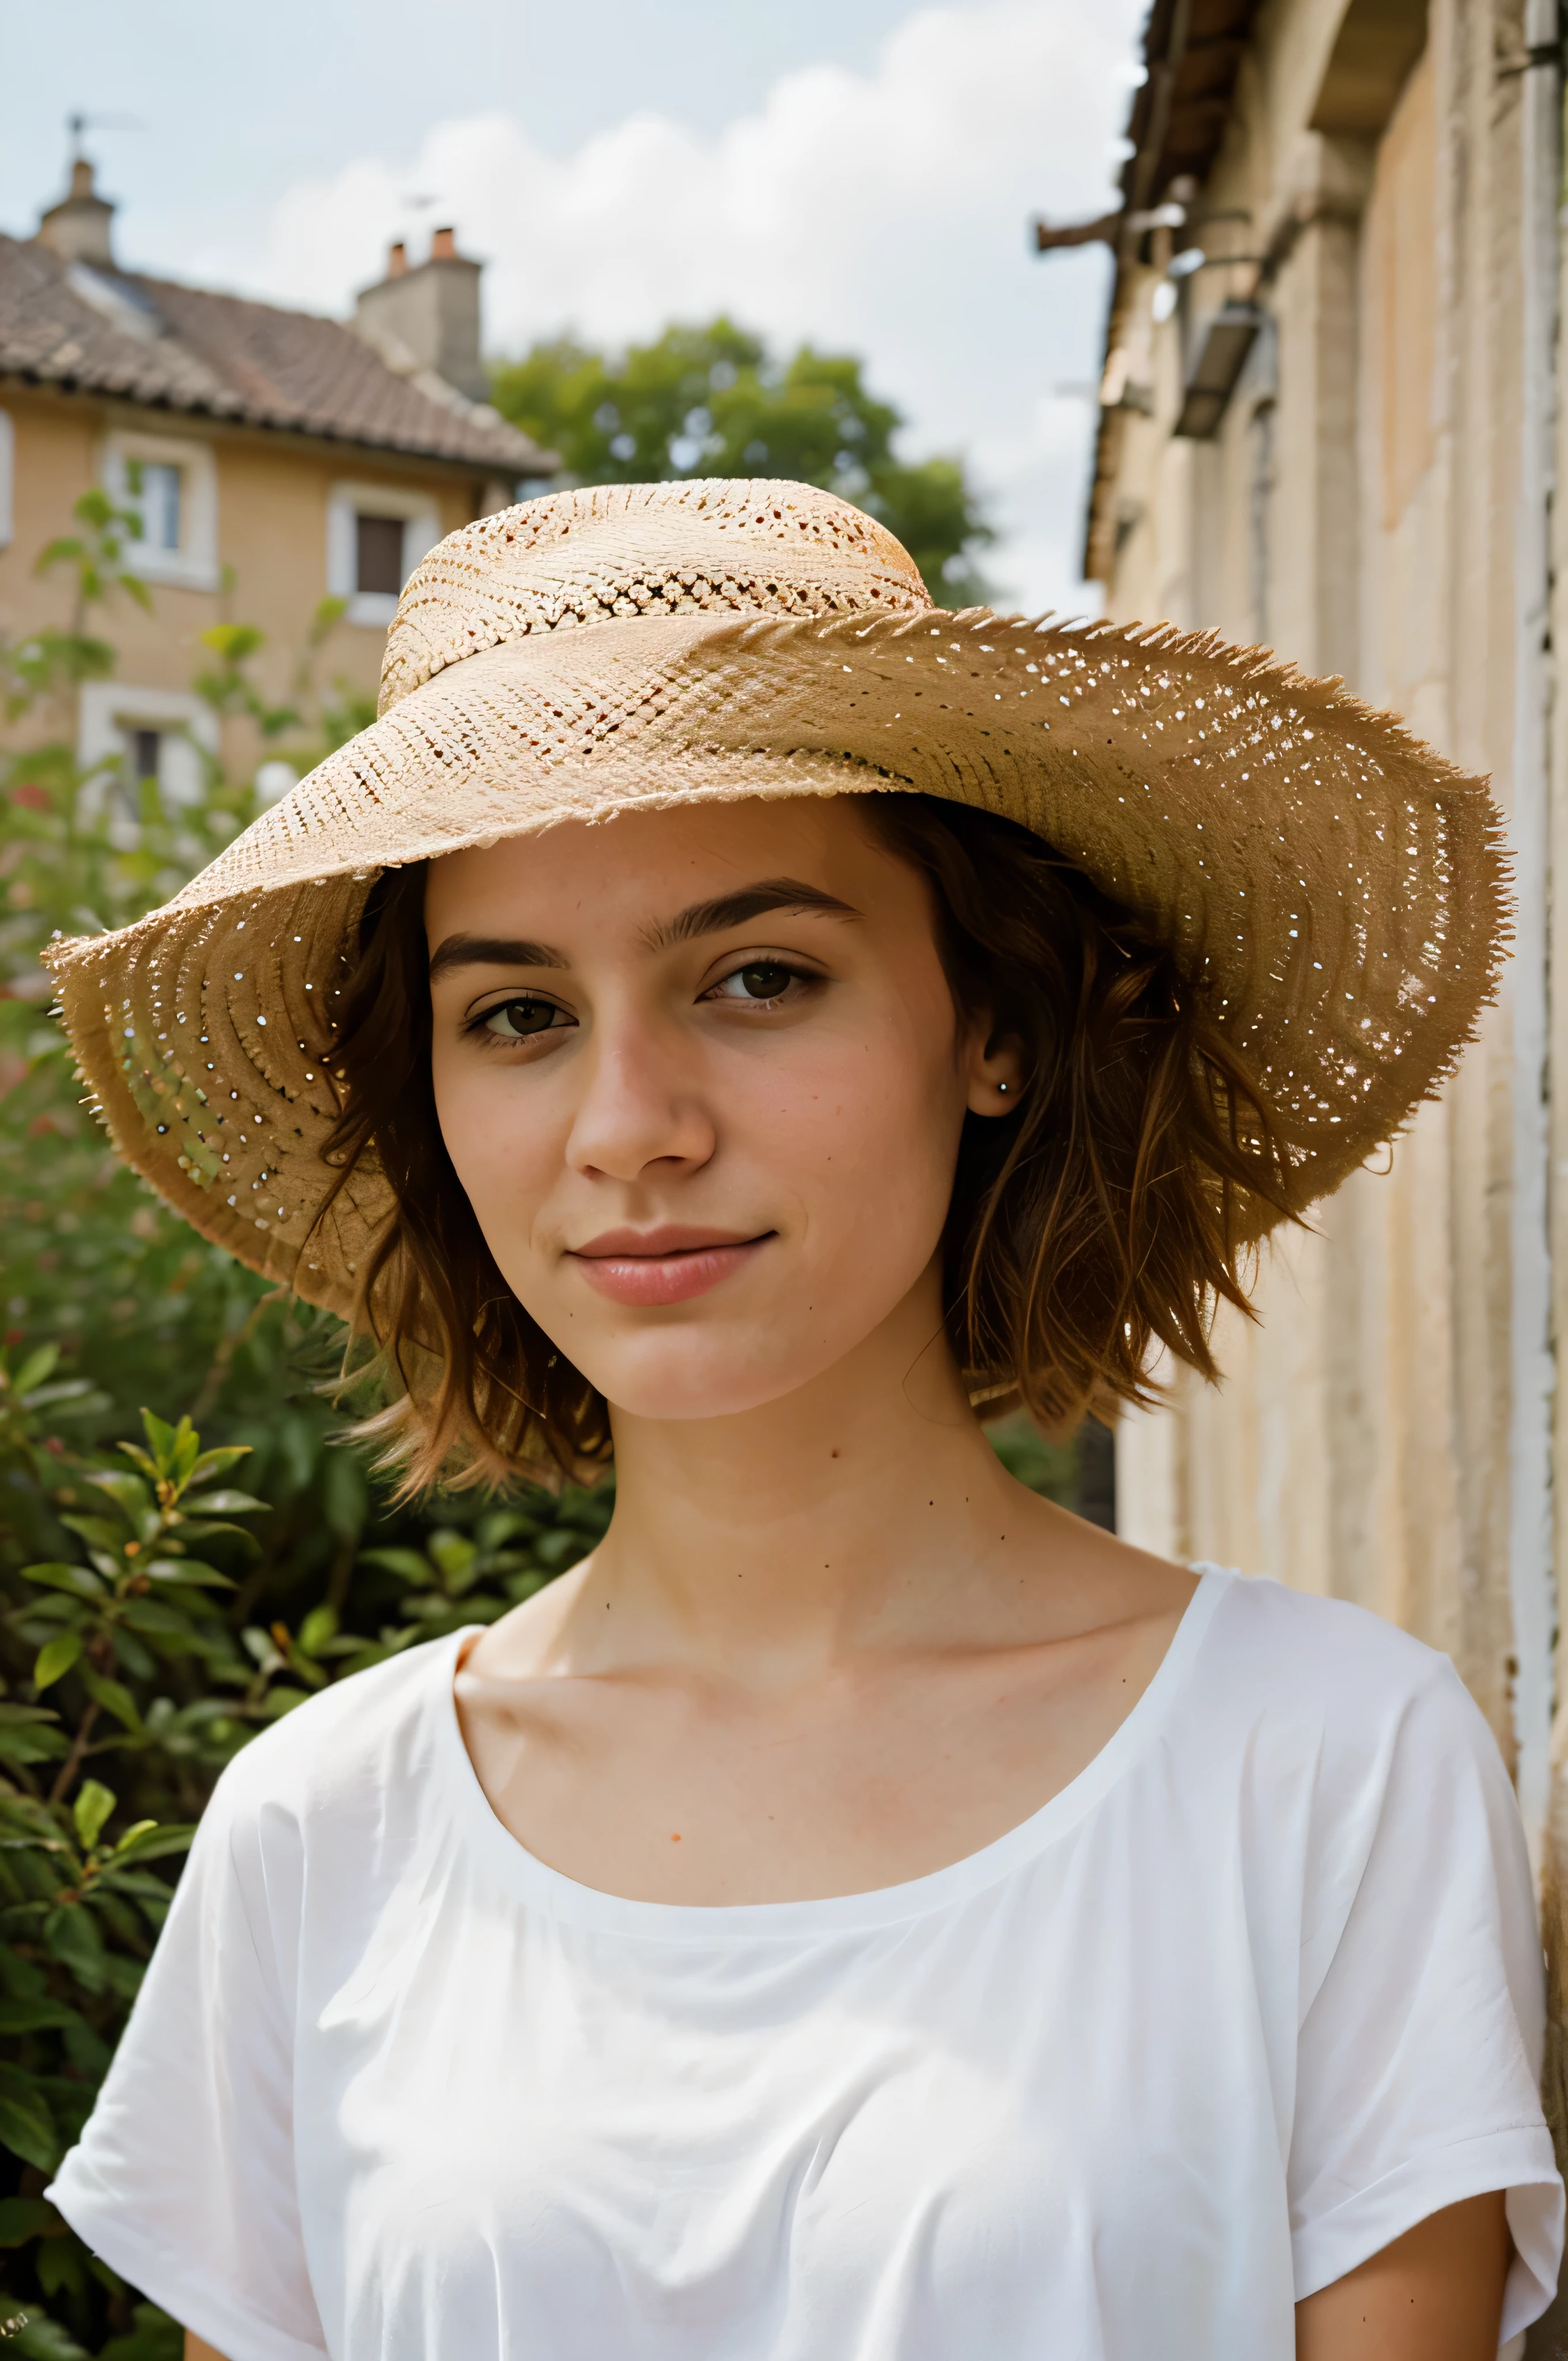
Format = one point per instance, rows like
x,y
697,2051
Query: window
x,y
155,491
378,553
144,748
172,485
375,536
127,736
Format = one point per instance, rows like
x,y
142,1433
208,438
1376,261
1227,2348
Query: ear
x,y
993,1070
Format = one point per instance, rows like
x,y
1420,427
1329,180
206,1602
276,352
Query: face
x,y
701,1076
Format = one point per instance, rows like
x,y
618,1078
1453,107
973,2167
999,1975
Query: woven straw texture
x,y
1336,886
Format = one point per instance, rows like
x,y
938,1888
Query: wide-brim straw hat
x,y
1335,886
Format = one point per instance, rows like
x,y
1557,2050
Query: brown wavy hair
x,y
1108,1213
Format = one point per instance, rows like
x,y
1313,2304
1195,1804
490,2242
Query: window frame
x,y
347,502
111,710
194,564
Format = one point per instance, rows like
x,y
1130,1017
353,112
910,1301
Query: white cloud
x,y
885,214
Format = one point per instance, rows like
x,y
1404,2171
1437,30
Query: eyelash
x,y
478,1026
808,977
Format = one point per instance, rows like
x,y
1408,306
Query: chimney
x,y
77,229
427,317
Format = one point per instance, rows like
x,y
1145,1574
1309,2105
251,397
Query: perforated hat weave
x,y
1336,887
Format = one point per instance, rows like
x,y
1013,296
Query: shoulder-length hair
x,y
1107,1214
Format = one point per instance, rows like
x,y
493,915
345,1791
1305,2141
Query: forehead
x,y
645,864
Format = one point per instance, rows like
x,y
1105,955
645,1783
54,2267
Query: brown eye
x,y
761,980
519,1020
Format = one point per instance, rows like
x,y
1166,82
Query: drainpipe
x,y
1531,1568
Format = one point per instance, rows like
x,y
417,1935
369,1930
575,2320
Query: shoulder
x,y
350,1749
1298,1644
1346,1694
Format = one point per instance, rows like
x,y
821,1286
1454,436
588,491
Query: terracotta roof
x,y
93,330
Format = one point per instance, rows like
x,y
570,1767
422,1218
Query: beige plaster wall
x,y
1355,510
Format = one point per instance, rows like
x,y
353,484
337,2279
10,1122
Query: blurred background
x,y
1241,316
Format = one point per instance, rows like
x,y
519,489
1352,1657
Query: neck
x,y
766,1544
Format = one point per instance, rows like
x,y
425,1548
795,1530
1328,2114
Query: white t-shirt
x,y
1259,1990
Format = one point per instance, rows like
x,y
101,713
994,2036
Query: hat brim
x,y
1336,887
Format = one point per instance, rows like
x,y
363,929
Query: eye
x,y
521,1019
759,980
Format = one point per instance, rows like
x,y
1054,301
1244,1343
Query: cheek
x,y
502,1145
869,1140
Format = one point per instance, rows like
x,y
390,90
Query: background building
x,y
275,459
1328,423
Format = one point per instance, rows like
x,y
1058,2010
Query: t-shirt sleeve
x,y
1423,2013
183,2180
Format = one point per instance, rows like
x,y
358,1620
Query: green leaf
x,y
70,1934
407,1564
215,1463
55,1574
189,1570
128,1492
79,1390
228,1503
506,1525
38,1366
91,1810
35,2016
22,2218
160,1440
319,1628
43,2339
27,2126
155,2337
168,1623
153,1843
187,1451
114,1697
99,1534
36,1745
202,1529
56,1657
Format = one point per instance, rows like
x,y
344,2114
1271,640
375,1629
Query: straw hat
x,y
1335,885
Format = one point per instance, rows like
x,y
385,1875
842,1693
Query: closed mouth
x,y
670,1265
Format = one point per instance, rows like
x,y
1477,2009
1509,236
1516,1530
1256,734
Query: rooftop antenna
x,y
79,123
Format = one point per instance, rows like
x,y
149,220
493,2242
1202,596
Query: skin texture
x,y
827,1644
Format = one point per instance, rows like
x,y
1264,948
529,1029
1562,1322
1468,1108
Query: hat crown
x,y
710,544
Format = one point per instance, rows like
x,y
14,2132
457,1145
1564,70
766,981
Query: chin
x,y
685,1379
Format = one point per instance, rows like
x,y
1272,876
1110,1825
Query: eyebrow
x,y
711,917
739,909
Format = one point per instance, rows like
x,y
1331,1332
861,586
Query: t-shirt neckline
x,y
551,1890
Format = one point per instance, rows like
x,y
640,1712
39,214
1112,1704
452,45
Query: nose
x,y
641,1103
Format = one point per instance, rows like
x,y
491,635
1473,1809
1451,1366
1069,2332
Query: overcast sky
x,y
861,173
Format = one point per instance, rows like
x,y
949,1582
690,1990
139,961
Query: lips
x,y
670,1265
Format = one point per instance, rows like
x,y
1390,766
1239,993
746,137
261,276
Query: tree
x,y
712,401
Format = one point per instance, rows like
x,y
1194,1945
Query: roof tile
x,y
224,356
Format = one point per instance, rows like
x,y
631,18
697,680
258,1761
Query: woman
x,y
861,1911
